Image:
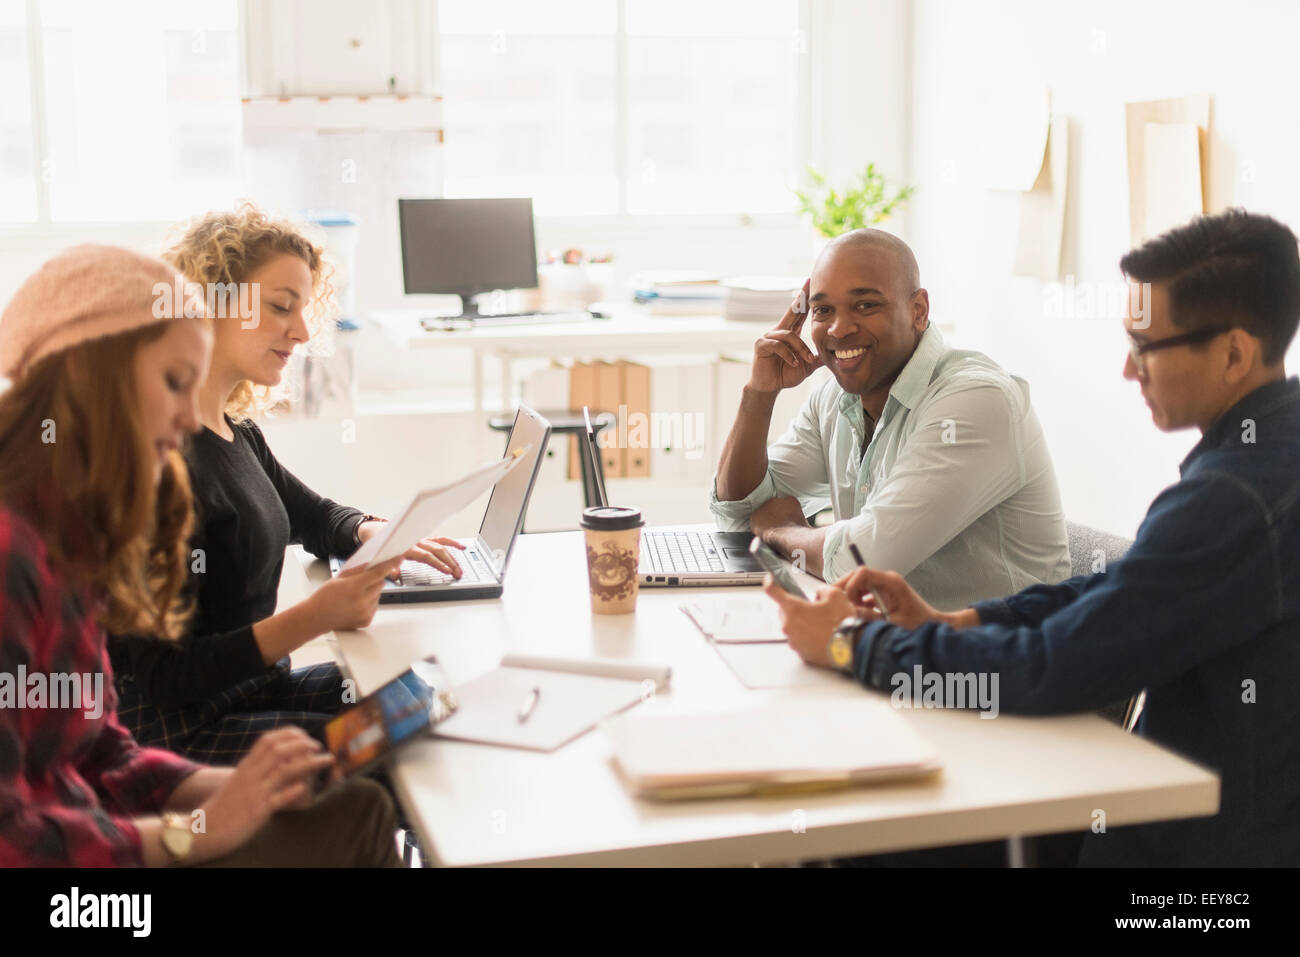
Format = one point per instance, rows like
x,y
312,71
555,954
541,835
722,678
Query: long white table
x,y
483,805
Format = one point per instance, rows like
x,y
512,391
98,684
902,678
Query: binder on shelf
x,y
636,397
609,396
678,393
582,391
546,388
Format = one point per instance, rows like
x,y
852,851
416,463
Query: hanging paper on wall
x,y
1042,209
1172,186
1010,124
1193,110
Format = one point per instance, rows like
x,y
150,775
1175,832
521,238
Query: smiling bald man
x,y
931,458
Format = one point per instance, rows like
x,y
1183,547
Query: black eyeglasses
x,y
1138,349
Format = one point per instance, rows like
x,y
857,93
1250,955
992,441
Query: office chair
x,y
1091,550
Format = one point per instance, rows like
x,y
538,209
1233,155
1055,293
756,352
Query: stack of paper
x,y
760,298
679,293
797,743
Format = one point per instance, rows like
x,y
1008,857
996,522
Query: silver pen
x,y
530,705
880,605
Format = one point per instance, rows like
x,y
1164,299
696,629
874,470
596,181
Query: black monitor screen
x,y
464,247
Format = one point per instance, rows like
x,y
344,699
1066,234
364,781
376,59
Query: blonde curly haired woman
x,y
211,694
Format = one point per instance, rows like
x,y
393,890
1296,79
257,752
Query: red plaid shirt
x,y
70,780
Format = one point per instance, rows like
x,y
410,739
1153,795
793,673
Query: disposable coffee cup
x,y
613,535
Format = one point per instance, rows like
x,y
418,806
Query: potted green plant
x,y
866,201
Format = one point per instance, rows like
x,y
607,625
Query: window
x,y
139,115
17,150
628,107
529,104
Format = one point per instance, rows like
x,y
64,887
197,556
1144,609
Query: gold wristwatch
x,y
842,641
177,838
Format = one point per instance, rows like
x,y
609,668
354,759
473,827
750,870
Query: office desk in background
x,y
485,805
632,331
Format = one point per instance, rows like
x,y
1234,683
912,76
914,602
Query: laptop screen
x,y
593,458
505,510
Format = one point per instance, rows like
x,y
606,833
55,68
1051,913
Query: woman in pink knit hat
x,y
95,517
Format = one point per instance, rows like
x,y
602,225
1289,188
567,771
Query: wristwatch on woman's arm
x,y
177,836
356,529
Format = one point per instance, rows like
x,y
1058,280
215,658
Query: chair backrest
x,y
1087,544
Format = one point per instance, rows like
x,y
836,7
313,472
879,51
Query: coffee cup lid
x,y
611,518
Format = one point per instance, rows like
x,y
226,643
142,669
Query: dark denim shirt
x,y
1203,612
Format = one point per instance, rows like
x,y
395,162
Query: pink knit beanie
x,y
87,292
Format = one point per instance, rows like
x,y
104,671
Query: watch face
x,y
177,837
841,651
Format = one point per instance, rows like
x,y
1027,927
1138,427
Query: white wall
x,y
1095,56
861,86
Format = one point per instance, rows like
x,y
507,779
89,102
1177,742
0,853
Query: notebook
x,y
796,743
563,699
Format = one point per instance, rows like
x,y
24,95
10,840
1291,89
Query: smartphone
x,y
779,570
380,724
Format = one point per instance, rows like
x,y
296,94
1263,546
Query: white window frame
x,y
810,147
806,153
40,131
44,227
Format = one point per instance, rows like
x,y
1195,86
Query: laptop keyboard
x,y
680,552
473,569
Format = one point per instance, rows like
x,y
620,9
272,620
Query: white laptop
x,y
675,556
483,562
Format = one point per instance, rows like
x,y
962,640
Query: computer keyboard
x,y
680,552
451,323
471,566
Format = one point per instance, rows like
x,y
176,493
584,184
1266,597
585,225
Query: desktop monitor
x,y
464,247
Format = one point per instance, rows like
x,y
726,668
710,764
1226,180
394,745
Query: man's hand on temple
x,y
781,358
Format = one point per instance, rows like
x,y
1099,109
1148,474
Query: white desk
x,y
482,805
632,331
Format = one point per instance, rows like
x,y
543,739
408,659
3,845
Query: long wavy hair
x,y
228,247
77,463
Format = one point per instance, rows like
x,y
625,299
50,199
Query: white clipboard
x,y
569,697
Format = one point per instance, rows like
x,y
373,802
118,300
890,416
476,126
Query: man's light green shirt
x,y
955,490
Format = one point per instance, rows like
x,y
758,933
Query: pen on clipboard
x,y
857,557
530,705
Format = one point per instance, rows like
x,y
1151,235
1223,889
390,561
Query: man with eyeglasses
x,y
1204,610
